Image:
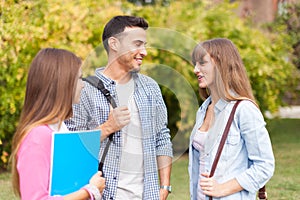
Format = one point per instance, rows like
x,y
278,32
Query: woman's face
x,y
205,72
79,87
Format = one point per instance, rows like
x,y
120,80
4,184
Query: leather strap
x,y
223,139
97,83
262,194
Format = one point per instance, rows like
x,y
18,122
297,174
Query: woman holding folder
x,y
54,83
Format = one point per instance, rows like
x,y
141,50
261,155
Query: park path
x,y
287,112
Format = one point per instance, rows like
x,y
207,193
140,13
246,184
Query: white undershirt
x,y
131,179
63,127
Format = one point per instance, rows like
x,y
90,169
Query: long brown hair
x,y
231,80
50,87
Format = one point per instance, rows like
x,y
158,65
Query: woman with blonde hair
x,y
247,161
54,83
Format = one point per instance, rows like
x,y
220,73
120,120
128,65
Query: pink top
x,y
198,143
34,164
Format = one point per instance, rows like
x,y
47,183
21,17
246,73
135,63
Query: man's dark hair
x,y
118,24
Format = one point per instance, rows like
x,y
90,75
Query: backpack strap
x,y
97,83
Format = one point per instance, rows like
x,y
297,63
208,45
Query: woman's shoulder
x,y
248,105
40,134
38,137
41,128
248,108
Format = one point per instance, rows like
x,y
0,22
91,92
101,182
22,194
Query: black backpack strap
x,y
97,83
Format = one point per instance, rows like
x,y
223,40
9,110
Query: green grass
x,y
284,185
285,136
6,191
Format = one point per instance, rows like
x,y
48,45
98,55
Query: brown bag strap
x,y
223,139
262,194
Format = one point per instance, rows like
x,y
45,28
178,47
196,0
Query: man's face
x,y
131,49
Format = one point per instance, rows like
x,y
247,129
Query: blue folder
x,y
74,160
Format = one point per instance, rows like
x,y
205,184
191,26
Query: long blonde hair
x,y
231,80
50,87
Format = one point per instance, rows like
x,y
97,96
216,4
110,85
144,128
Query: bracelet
x,y
168,188
93,191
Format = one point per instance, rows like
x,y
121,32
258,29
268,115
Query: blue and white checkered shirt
x,y
93,110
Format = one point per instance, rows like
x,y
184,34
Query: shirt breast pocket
x,y
233,139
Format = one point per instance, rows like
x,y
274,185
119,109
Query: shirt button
x,y
115,178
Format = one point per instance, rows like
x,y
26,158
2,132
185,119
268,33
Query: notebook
x,y
74,160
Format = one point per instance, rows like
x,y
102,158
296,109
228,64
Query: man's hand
x,y
163,194
164,170
117,119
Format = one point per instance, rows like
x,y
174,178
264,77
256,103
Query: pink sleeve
x,y
34,165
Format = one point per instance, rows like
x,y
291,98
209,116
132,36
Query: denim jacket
x,y
247,154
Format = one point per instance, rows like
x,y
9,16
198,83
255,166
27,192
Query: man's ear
x,y
113,43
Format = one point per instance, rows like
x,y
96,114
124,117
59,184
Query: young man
x,y
141,144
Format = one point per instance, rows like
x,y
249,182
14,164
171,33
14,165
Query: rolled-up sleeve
x,y
259,148
163,138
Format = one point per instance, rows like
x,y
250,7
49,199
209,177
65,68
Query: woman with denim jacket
x,y
247,161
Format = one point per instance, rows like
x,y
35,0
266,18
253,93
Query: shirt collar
x,y
106,80
220,105
205,104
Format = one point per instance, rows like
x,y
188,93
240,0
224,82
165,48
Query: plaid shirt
x,y
93,110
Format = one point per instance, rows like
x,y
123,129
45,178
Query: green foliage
x,y
28,26
175,28
264,53
288,22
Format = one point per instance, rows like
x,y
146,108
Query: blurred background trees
x,y
270,51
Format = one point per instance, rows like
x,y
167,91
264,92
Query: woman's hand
x,y
212,188
98,181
